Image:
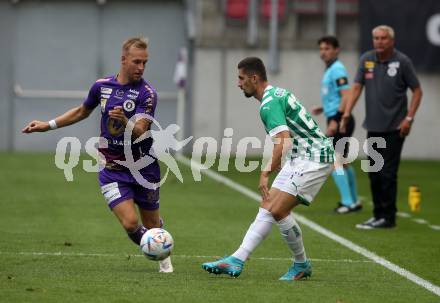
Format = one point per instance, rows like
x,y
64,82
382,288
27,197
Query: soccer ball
x,y
156,244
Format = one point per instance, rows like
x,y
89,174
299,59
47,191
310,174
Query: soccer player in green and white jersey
x,y
311,162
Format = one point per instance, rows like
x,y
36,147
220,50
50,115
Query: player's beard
x,y
248,94
135,77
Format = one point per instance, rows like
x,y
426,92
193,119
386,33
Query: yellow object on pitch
x,y
414,198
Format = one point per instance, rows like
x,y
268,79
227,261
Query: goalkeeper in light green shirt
x,y
310,163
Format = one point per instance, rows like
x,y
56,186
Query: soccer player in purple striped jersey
x,y
120,97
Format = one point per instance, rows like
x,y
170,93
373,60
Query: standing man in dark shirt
x,y
386,74
120,97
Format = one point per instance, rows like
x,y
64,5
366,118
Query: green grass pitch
x,y
60,243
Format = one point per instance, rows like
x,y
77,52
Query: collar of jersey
x,y
393,57
129,84
330,63
266,91
269,87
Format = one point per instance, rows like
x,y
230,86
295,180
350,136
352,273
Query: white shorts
x,y
302,178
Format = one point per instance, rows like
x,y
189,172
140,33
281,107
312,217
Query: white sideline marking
x,y
79,254
403,215
419,221
347,243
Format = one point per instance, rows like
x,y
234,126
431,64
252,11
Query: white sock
x,y
256,233
292,233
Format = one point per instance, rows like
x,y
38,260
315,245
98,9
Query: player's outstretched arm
x,y
70,117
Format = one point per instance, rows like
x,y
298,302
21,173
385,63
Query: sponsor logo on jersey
x,y
279,92
103,103
129,105
106,90
119,93
341,81
133,91
392,72
369,64
392,68
114,127
132,96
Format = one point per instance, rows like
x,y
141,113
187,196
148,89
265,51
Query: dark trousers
x,y
384,182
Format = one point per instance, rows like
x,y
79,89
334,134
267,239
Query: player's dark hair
x,y
332,40
253,65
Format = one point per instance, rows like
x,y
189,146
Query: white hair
x,y
385,28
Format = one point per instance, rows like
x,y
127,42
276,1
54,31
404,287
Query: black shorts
x,y
349,132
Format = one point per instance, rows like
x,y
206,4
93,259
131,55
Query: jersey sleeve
x,y
148,102
92,99
273,117
409,74
340,78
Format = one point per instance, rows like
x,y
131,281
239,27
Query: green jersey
x,y
281,111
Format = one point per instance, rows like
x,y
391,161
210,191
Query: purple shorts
x,y
120,185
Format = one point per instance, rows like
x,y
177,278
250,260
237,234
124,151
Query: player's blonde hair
x,y
386,28
137,42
